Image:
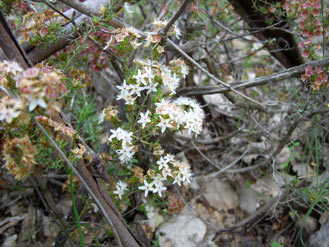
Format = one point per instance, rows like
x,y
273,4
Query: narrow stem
x,y
175,17
75,210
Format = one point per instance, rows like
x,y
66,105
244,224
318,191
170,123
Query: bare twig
x,y
59,12
204,156
211,75
246,169
209,141
175,17
260,81
90,10
230,165
10,45
166,5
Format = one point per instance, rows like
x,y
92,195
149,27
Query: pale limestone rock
x,y
182,231
220,195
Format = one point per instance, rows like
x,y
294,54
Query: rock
x,y
302,169
29,226
321,237
220,195
182,230
64,205
245,242
154,218
249,158
10,241
324,217
50,229
221,102
309,223
284,156
266,186
247,199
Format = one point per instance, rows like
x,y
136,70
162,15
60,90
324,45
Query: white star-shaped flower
x,y
124,90
163,163
135,44
149,74
140,77
164,123
9,109
115,134
126,153
8,114
101,116
144,118
120,188
166,172
158,187
34,102
135,89
178,179
169,158
151,88
130,100
147,187
121,134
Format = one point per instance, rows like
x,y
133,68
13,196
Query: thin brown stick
x,y
10,45
211,75
90,10
260,81
175,17
59,12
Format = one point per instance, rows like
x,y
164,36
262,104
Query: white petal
x,y
42,103
33,105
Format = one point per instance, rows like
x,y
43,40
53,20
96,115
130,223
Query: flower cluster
x,y
79,152
96,57
41,87
126,38
19,156
10,108
154,79
124,139
9,70
181,113
22,91
309,25
166,168
150,77
40,27
36,87
317,76
130,35
109,114
58,127
19,5
174,30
